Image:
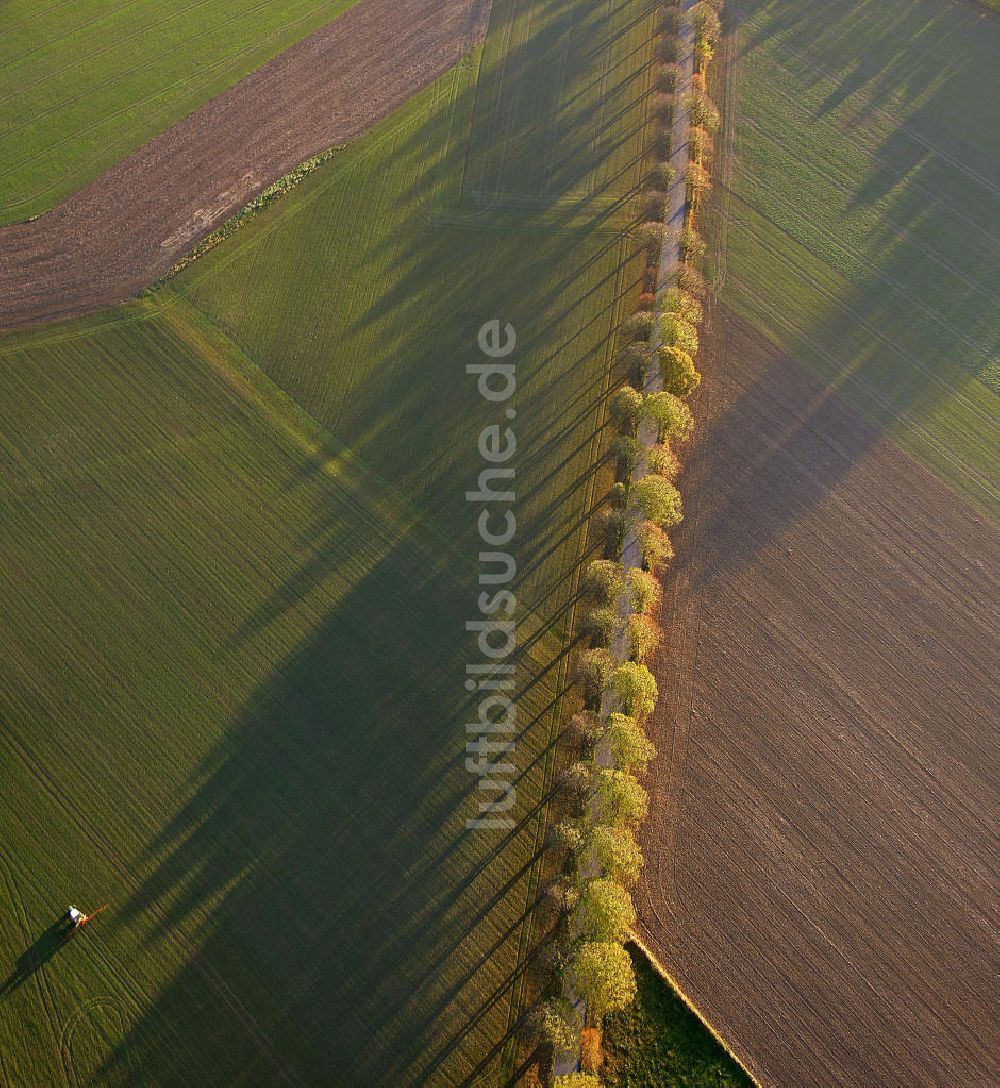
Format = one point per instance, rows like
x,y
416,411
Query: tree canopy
x,y
677,371
671,415
623,800
606,912
616,851
631,748
603,976
658,500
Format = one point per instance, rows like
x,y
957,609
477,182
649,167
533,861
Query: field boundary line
x,y
678,990
912,424
196,80
286,416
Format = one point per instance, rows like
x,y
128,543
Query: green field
x,y
861,213
659,1041
237,570
85,82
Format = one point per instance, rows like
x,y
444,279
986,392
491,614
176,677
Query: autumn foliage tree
x,y
642,636
661,460
644,591
623,800
677,371
658,501
626,409
654,546
671,416
616,851
631,748
606,912
635,687
603,975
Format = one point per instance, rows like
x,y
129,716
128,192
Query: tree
x,y
675,332
698,182
651,234
618,495
593,668
677,371
635,687
591,1054
662,460
604,977
616,851
668,76
663,174
614,525
703,53
698,142
637,357
604,580
564,836
692,245
574,782
606,912
654,544
689,279
585,727
623,800
600,624
577,1080
628,453
626,409
705,21
644,591
640,325
654,203
671,415
554,1022
704,112
676,301
631,748
642,636
561,896
658,500
661,105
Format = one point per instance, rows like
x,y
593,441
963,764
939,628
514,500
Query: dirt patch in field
x,y
111,239
820,854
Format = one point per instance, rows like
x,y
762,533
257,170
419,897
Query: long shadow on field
x,y
351,920
347,926
866,358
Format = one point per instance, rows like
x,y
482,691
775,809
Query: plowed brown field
x,y
118,234
820,859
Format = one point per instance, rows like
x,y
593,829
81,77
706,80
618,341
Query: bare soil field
x,y
820,860
107,242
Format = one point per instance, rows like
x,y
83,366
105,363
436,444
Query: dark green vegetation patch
x,y
659,1041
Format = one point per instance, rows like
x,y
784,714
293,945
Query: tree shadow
x,y
349,926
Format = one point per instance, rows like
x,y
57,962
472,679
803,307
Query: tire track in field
x,y
39,977
107,242
80,1014
118,865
